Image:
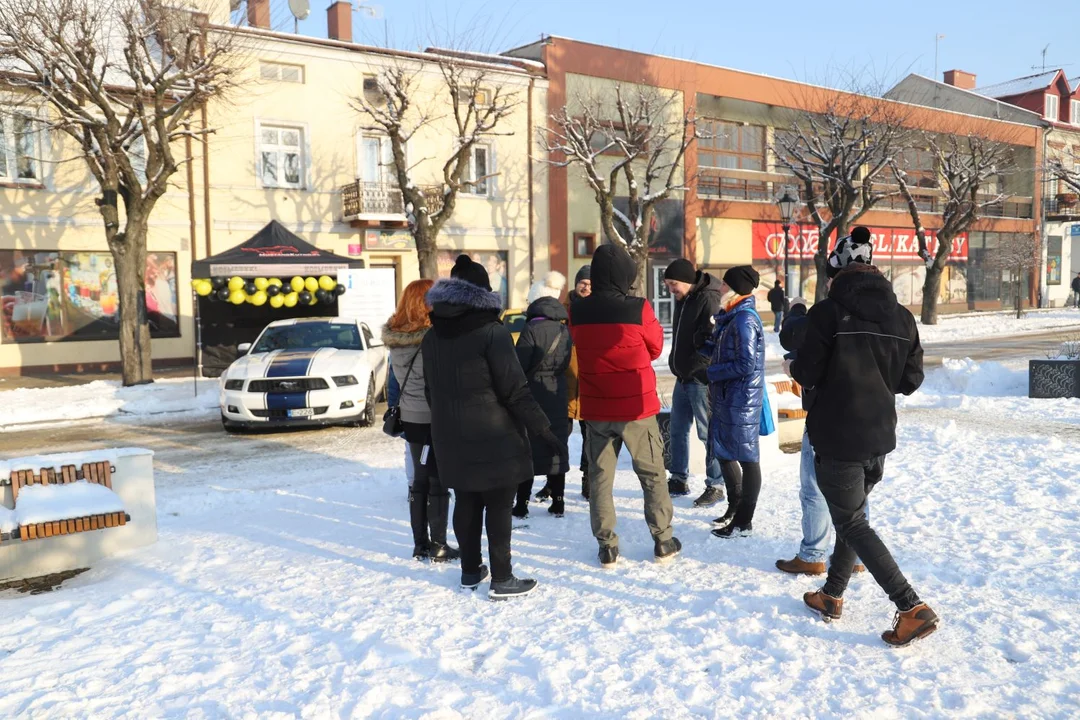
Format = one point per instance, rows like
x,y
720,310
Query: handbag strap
x,y
551,349
408,372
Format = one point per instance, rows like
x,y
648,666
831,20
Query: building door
x,y
662,302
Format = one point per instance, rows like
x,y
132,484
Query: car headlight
x,y
234,384
342,380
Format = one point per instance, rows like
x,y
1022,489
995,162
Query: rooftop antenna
x,y
300,9
375,12
937,38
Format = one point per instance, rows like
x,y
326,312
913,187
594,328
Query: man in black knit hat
x,y
861,349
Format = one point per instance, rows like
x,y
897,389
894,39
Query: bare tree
x,y
478,104
1064,166
838,153
121,78
1018,255
966,173
644,134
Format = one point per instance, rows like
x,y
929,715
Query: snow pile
x,y
46,503
57,460
957,328
105,398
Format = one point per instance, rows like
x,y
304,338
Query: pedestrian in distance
x,y
697,300
861,349
740,409
429,502
544,349
778,303
617,337
816,523
1076,291
481,417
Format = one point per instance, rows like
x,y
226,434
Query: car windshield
x,y
309,335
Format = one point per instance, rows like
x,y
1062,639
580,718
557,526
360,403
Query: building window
x,y
1074,112
481,168
1051,108
281,157
19,149
584,244
375,160
281,72
732,146
373,94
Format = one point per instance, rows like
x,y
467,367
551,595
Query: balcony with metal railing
x,y
372,201
1062,206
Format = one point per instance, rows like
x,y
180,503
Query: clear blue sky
x,y
799,39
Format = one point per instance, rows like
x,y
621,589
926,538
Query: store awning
x,y
273,251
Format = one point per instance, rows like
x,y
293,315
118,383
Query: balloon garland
x,y
275,292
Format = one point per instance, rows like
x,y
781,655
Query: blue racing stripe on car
x,y
285,401
291,363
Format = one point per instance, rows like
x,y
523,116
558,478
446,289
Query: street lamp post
x,y
787,202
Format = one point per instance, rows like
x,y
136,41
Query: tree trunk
x,y
930,291
640,286
427,254
129,257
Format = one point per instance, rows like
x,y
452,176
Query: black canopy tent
x,y
272,252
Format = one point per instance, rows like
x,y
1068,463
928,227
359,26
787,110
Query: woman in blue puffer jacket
x,y
737,389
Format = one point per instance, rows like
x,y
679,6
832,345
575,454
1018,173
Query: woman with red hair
x,y
429,502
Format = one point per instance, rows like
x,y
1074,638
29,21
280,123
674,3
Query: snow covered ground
x,y
954,328
287,591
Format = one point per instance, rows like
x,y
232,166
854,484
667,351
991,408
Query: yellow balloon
x,y
204,288
236,283
261,283
291,299
327,283
311,284
195,282
275,281
277,301
297,284
237,297
259,298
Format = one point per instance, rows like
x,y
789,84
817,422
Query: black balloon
x,y
272,290
340,289
250,288
219,282
305,298
211,296
322,296
223,293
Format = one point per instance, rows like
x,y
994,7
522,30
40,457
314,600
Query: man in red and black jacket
x,y
617,337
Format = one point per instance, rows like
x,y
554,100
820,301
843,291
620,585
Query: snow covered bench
x,y
63,512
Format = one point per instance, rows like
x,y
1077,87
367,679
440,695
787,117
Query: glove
x,y
557,446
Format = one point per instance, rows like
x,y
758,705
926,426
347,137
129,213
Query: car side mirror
x,y
375,343
243,348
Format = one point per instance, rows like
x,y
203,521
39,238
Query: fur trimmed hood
x,y
397,339
451,291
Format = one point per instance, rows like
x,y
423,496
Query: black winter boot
x,y
557,485
521,503
438,515
558,507
513,587
418,518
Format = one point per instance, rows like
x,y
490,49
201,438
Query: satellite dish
x,y
234,5
300,8
375,12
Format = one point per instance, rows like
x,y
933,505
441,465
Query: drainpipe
x,y
206,179
529,155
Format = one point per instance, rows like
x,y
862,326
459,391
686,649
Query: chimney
x,y
259,13
960,79
339,21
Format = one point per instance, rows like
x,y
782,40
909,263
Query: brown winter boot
x,y
918,622
828,607
858,568
798,566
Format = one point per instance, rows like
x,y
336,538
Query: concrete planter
x,y
1054,379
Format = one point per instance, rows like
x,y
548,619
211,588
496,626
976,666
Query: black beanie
x,y
471,272
584,273
742,279
681,270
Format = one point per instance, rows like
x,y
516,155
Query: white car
x,y
305,371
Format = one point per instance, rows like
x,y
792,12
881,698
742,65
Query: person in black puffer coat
x,y
481,414
543,348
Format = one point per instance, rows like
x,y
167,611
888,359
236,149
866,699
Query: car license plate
x,y
301,412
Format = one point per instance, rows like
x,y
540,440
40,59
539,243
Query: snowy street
x,y
281,586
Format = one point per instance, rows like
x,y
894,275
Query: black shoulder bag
x,y
392,419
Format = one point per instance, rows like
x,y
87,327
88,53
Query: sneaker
x,y
677,488
513,587
558,507
470,581
910,625
520,511
666,550
609,556
828,607
733,531
798,566
710,497
543,495
442,553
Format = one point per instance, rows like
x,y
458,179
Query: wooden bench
x,y
99,473
790,413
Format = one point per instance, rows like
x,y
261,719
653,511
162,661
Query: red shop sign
x,y
889,243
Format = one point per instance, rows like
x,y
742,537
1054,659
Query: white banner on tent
x,y
370,296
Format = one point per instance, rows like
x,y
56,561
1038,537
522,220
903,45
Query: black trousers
x,y
846,486
469,523
743,483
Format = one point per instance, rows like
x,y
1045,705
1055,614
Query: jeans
x,y
816,523
779,320
470,520
845,485
689,405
